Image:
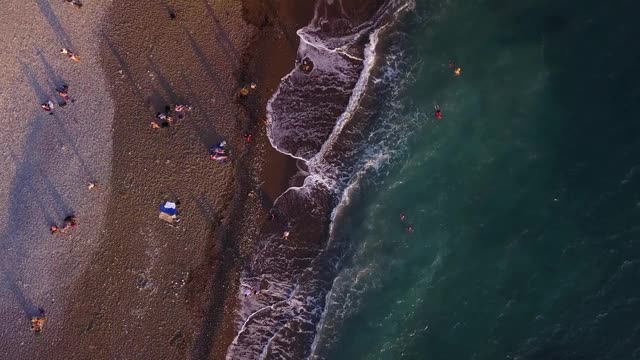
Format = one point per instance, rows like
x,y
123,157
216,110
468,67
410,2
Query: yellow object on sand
x,y
457,71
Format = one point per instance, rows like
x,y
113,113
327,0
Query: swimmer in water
x,y
438,112
409,228
402,217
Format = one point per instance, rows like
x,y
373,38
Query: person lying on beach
x,y
63,91
48,107
64,94
181,109
247,136
54,229
70,54
70,222
76,3
37,323
218,152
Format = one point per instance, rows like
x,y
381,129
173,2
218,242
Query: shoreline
x,y
269,172
292,266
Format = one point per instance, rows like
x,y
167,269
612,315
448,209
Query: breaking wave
x,y
332,119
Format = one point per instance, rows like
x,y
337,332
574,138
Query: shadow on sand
x,y
32,195
52,19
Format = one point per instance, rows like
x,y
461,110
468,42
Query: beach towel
x,y
169,208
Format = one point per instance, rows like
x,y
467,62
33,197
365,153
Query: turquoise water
x,y
525,197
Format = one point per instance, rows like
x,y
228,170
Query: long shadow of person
x,y
30,196
53,21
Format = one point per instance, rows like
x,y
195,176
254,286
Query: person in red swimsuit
x,y
438,112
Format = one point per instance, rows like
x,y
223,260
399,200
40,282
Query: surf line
x,y
343,119
339,50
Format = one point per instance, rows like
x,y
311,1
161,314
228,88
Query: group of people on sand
x,y
63,89
37,322
70,222
219,152
171,112
63,92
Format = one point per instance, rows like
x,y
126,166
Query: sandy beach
x,y
47,164
123,284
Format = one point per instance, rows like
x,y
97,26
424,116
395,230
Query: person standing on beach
x,y
76,3
64,94
70,54
48,107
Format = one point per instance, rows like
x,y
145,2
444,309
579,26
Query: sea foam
x,y
324,119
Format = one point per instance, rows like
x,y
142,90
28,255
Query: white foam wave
x,y
290,302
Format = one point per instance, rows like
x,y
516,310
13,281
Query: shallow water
x,y
524,198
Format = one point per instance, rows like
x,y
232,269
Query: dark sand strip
x,y
267,172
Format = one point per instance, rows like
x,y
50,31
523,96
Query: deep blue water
x,y
525,197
